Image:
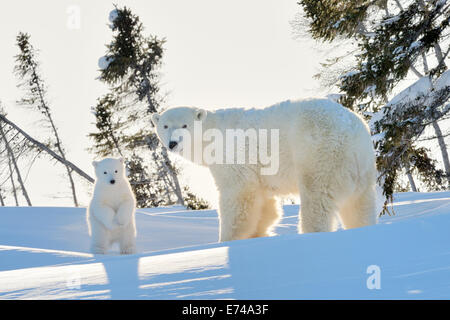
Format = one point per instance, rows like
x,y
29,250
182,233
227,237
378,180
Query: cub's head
x,y
109,171
175,126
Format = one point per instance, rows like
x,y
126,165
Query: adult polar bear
x,y
325,155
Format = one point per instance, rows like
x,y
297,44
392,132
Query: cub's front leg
x,y
125,212
105,215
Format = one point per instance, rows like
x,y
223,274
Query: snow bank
x,y
43,255
421,87
334,97
443,81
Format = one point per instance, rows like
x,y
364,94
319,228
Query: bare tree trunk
x,y
43,147
443,148
438,53
115,141
16,168
2,202
416,72
412,184
425,63
169,168
11,178
399,5
11,173
61,152
166,160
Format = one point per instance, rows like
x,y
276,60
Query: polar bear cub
x,y
111,212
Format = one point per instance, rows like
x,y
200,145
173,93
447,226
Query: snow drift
x,y
44,255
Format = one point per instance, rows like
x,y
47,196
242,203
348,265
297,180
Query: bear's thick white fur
x,y
111,212
325,155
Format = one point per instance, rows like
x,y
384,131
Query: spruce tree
x,y
107,139
131,69
394,38
28,73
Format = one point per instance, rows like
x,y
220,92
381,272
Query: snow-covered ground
x,y
44,255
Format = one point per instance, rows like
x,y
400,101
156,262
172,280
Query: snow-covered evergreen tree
x,y
108,138
131,69
394,38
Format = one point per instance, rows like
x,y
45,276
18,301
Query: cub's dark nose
x,y
113,181
172,144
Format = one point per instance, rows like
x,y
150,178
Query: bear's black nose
x,y
172,144
113,181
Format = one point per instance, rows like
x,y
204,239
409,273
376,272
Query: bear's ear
x,y
200,114
121,160
155,118
95,163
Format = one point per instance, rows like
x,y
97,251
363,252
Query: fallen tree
x,y
46,149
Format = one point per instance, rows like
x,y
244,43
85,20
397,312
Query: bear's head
x,y
110,171
175,128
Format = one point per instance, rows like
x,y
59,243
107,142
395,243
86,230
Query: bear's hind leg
x,y
359,210
100,239
318,212
127,240
270,216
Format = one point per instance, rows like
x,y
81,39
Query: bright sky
x,y
218,54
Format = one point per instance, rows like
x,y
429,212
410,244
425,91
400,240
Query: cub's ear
x,y
95,163
155,119
200,114
121,160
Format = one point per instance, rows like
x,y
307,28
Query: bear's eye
x,y
185,126
105,172
115,171
165,127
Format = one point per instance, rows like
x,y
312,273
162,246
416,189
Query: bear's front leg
x,y
105,215
125,212
239,214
